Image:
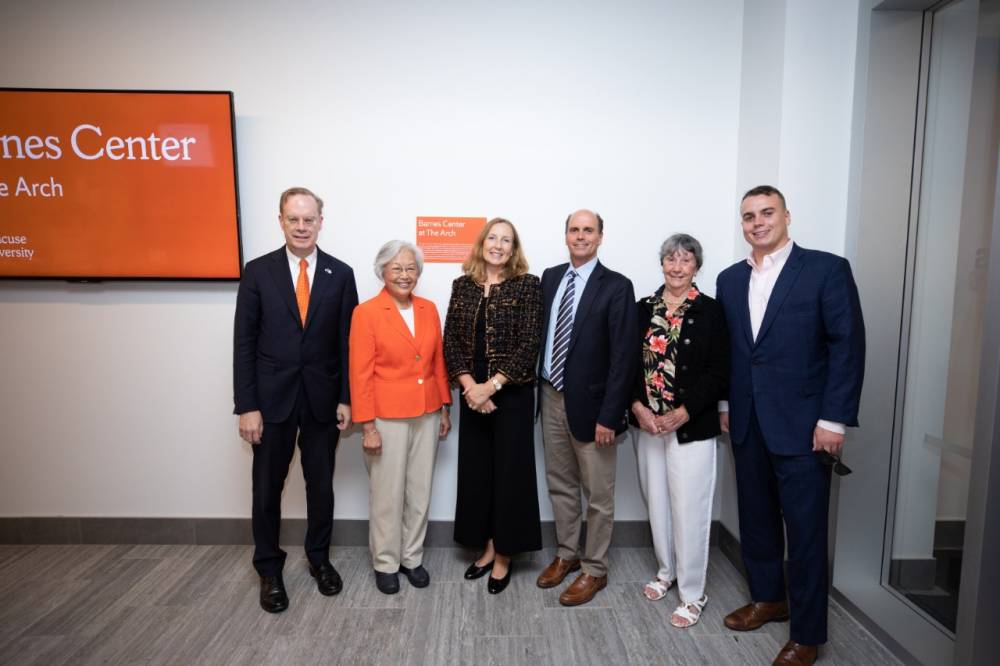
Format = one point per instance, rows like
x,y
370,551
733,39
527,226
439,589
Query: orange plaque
x,y
447,240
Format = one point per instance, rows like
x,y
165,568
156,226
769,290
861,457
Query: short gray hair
x,y
682,242
389,251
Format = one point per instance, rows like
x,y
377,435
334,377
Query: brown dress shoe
x,y
756,615
796,654
582,590
557,571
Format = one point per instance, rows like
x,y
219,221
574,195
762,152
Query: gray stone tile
x,y
584,635
509,651
40,650
635,565
63,562
517,611
433,628
28,601
184,604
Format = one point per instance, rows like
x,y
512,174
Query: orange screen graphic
x,y
117,185
446,240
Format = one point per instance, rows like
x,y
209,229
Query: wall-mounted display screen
x,y
98,184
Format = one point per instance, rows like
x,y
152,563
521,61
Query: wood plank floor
x,y
117,604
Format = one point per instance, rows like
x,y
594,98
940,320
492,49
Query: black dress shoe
x,y
273,597
498,585
417,576
327,579
475,571
387,583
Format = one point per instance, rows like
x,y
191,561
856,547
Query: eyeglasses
x,y
396,271
308,222
839,468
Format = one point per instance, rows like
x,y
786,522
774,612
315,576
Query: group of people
x,y
775,360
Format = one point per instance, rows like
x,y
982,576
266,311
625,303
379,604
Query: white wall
x,y
116,398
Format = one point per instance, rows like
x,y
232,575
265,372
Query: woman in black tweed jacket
x,y
492,334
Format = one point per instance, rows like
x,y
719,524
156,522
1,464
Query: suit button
x,y
684,367
690,321
420,381
687,341
680,390
417,357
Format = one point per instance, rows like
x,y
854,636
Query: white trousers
x,y
400,490
677,483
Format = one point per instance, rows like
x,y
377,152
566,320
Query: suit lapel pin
x,y
328,271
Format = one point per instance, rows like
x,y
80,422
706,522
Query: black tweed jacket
x,y
513,327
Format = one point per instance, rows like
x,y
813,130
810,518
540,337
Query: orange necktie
x,y
302,290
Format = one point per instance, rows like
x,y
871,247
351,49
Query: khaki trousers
x,y
400,490
572,465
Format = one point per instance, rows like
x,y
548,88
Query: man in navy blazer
x,y
798,354
293,313
587,365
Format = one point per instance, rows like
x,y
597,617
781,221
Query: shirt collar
x,y
293,260
778,256
584,271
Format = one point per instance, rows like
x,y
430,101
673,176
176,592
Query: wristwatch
x,y
496,384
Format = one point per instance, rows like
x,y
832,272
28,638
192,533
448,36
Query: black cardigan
x,y
702,368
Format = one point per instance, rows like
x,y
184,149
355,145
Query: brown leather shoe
x,y
796,654
582,590
557,571
756,615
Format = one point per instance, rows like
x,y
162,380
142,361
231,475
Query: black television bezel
x,y
88,279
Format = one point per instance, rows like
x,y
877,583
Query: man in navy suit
x,y
586,369
293,313
798,356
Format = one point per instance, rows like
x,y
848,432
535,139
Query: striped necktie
x,y
564,330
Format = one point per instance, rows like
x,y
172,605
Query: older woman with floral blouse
x,y
682,374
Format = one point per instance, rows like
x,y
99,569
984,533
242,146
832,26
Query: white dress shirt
x,y
763,277
293,266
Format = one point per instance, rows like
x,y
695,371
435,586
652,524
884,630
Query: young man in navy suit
x,y
798,355
293,314
587,365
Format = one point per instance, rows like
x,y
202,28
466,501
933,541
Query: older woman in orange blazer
x,y
400,396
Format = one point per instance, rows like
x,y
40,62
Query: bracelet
x,y
496,384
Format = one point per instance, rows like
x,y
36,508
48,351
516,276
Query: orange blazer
x,y
395,374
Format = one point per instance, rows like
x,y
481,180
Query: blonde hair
x,y
475,266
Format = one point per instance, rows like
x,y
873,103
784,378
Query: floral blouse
x,y
659,350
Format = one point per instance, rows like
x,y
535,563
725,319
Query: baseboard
x,y
236,531
730,546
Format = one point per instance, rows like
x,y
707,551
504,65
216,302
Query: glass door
x,y
942,345
924,203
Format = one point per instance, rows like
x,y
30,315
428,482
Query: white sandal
x,y
658,587
687,615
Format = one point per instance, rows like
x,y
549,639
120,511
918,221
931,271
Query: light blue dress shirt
x,y
579,284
